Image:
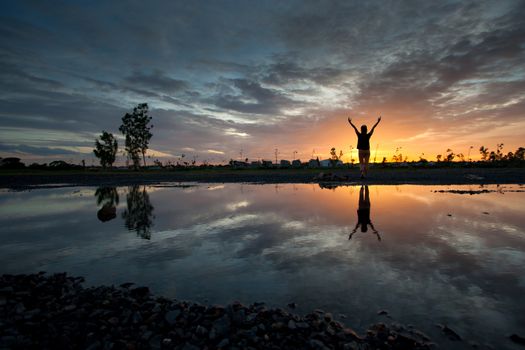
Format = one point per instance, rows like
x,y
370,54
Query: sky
x,y
242,79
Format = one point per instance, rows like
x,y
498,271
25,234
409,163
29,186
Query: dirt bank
x,y
384,176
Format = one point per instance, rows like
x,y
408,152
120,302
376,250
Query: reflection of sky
x,y
441,258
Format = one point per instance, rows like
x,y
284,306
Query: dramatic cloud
x,y
157,81
223,76
39,151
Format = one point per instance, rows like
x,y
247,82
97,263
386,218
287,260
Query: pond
x,y
428,255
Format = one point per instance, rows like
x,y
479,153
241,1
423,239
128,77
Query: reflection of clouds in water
x,y
295,225
296,242
460,239
305,243
245,235
43,203
178,243
290,242
238,205
418,197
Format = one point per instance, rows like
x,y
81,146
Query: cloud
x,y
285,71
416,77
424,135
157,81
39,151
248,96
212,151
57,111
158,154
278,72
234,132
12,73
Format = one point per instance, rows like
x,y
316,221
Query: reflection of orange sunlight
x,y
405,209
339,205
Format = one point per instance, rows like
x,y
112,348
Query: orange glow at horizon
x,y
396,134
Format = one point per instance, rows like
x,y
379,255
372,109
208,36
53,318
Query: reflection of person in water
x,y
363,213
138,216
363,145
108,197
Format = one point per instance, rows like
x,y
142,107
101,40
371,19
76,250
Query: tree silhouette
x,y
106,150
450,155
138,216
484,152
334,158
499,154
519,154
137,132
398,156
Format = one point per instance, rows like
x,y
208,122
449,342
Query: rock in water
x,y
517,339
223,343
222,325
140,292
171,316
450,333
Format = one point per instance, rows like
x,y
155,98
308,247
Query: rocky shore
x,y
40,311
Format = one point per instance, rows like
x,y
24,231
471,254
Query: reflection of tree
x,y
138,216
108,197
329,186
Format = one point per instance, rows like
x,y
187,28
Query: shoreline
x,y
378,176
56,311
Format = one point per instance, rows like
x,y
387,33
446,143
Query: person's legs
x,y
366,159
362,162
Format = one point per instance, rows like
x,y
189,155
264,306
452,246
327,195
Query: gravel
x,y
40,311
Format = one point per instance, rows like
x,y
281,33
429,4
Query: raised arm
x,y
353,231
378,120
353,126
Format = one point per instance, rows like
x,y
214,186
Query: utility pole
x,y
294,154
276,153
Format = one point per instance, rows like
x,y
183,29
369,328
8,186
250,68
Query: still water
x,y
427,254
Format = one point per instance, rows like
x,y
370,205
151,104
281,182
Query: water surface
x,y
427,254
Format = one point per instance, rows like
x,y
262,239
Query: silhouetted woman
x,y
363,145
363,213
